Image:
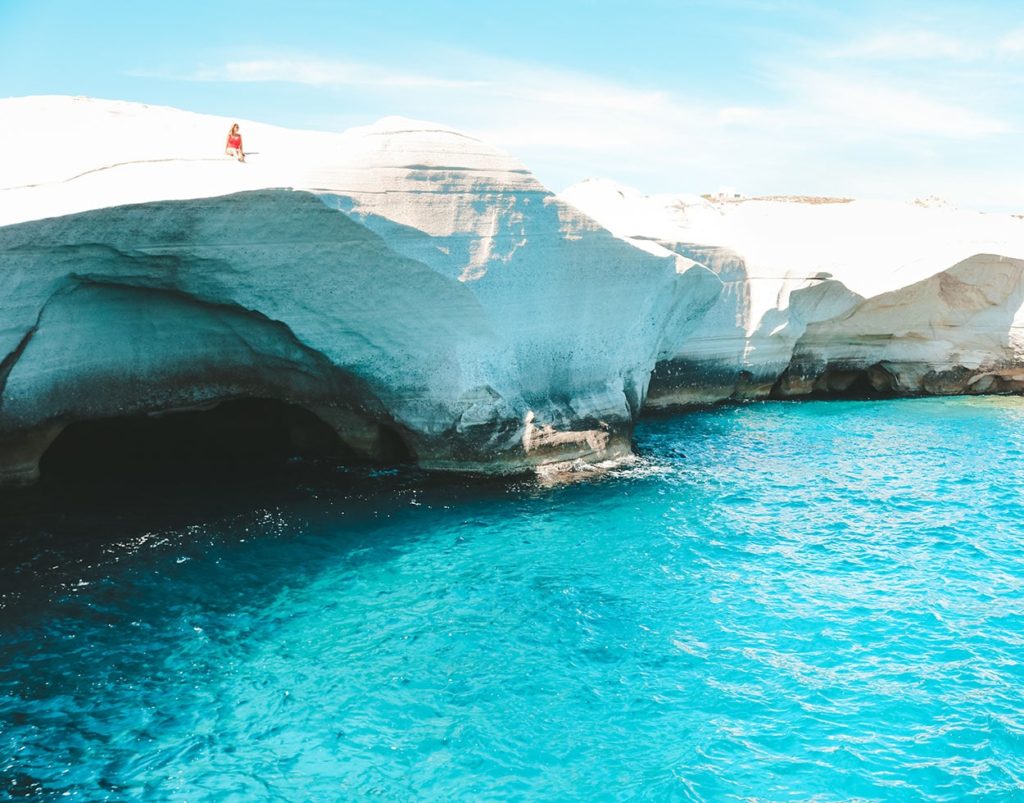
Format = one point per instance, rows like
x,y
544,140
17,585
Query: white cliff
x,y
414,288
821,293
958,331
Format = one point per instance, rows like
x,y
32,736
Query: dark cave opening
x,y
240,438
874,382
847,384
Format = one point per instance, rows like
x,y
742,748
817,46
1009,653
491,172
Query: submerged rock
x,y
417,290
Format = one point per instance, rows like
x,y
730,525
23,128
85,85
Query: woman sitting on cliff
x,y
234,144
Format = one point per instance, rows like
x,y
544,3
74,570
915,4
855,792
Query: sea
x,y
774,601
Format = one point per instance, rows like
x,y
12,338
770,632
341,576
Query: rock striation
x,y
831,296
958,331
422,297
417,290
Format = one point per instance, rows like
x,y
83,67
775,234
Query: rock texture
x,y
830,296
955,332
422,296
411,286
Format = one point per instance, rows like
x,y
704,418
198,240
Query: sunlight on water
x,y
776,601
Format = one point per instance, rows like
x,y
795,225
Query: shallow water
x,y
780,601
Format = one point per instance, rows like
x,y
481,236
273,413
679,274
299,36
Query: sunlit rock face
x,y
955,332
417,290
831,297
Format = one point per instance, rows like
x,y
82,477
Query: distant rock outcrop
x,y
955,332
417,290
832,298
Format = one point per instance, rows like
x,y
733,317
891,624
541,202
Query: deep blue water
x,y
779,601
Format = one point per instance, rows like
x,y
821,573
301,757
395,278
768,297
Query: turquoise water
x,y
781,601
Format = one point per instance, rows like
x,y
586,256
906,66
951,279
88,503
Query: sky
x,y
861,99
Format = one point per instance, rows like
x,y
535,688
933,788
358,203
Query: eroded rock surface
x,y
424,297
401,281
830,296
953,333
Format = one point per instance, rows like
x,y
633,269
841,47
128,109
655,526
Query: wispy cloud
x,y
907,45
501,80
567,124
926,45
321,72
872,108
1012,44
541,104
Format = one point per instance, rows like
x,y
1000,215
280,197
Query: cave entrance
x,y
873,382
235,438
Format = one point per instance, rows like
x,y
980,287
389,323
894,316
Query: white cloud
x,y
559,101
504,80
744,116
908,45
1012,44
317,72
927,46
872,108
566,125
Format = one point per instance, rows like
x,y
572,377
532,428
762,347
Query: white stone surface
x,y
399,277
957,331
790,264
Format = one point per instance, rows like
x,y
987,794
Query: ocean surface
x,y
777,601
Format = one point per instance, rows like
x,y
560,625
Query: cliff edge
x,y
415,289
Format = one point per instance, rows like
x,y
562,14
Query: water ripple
x,y
774,602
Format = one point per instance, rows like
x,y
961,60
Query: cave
x,y
874,382
237,438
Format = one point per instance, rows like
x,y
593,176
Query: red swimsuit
x,y
234,140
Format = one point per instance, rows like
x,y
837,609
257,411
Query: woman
x,y
234,144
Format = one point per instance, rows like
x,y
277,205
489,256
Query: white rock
x,y
400,279
941,335
806,265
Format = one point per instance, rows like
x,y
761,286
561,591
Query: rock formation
x,y
418,291
830,296
955,332
421,296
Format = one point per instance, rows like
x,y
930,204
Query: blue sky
x,y
869,99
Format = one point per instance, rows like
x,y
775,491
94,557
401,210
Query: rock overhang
x,y
492,326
